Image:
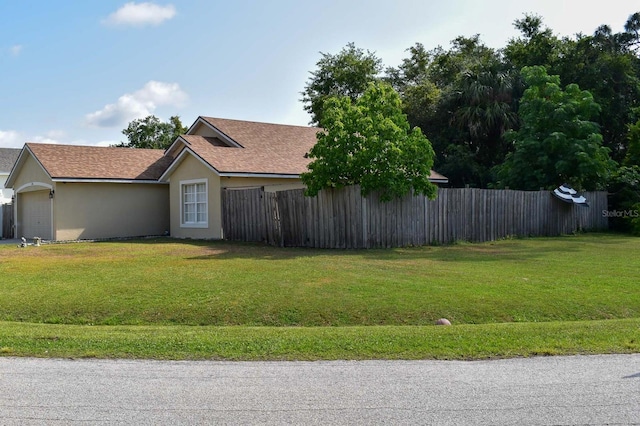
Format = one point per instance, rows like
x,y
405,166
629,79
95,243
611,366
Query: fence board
x,y
342,218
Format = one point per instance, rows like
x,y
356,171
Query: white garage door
x,y
35,215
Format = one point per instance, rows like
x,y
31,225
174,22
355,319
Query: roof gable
x,y
257,135
203,127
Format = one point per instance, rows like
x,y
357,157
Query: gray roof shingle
x,y
8,157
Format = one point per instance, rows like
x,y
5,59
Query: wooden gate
x,y
6,221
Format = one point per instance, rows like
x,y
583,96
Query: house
x,y
68,192
217,154
8,157
80,192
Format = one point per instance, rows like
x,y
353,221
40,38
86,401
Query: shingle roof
x,y
94,162
437,177
8,157
266,148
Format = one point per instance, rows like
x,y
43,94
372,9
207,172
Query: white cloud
x,y
10,139
15,139
16,49
52,137
140,14
44,139
107,143
139,104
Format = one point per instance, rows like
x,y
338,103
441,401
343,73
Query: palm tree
x,y
484,106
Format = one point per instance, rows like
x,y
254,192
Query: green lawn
x,y
151,298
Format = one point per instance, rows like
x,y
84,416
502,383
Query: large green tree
x,y
347,73
150,132
631,35
484,109
420,95
370,143
603,65
537,45
632,157
466,97
463,99
556,143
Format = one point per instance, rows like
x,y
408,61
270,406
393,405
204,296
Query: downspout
x,y
15,215
52,193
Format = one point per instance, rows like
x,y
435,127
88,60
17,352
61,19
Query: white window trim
x,y
204,224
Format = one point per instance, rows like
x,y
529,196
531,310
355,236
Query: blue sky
x,y
76,72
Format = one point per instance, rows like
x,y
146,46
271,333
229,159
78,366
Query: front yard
x,y
208,300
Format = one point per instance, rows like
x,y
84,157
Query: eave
x,y
188,151
104,180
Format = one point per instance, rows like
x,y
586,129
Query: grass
x,y
216,300
321,343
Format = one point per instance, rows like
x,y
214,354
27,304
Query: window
x,y
193,194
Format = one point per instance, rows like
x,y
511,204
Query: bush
x,y
624,195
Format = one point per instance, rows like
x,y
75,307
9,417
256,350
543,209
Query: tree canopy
x,y
556,143
150,132
369,142
463,99
347,73
467,98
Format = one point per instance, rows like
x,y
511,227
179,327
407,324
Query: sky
x,y
77,72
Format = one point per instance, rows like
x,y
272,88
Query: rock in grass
x,y
443,321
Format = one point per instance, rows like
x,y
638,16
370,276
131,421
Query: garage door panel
x,y
35,212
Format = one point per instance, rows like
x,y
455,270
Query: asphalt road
x,y
581,390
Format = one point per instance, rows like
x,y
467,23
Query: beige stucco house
x,y
218,154
72,192
68,192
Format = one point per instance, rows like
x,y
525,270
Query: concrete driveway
x,y
18,241
10,241
584,390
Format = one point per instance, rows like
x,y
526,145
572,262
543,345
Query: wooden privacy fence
x,y
342,218
6,220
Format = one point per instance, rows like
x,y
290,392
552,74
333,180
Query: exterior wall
x,y
110,210
191,169
31,172
203,130
93,210
269,184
